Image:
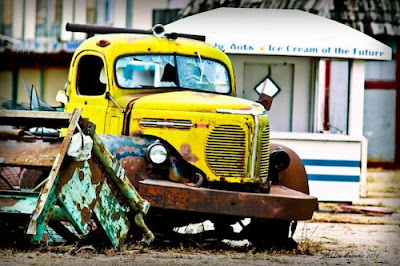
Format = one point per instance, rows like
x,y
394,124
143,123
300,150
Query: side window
x,y
91,77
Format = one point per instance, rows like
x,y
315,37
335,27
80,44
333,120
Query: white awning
x,y
280,32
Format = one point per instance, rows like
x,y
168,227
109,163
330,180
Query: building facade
x,y
36,49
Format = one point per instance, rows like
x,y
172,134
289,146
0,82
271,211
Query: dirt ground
x,y
319,243
332,237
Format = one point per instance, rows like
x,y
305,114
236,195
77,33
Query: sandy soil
x,y
319,243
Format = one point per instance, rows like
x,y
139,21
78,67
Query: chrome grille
x,y
166,123
226,150
264,151
152,122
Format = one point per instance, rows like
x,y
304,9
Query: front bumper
x,y
281,203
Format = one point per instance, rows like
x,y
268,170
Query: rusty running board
x,y
281,203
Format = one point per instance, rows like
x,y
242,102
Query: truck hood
x,y
196,102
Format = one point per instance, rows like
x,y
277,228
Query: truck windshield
x,y
169,71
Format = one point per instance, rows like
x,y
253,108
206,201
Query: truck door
x,y
88,88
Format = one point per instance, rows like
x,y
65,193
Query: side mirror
x,y
61,97
265,100
267,89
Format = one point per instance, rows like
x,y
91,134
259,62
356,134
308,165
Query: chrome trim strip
x,y
253,158
168,124
241,112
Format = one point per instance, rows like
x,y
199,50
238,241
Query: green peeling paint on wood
x,y
22,203
76,197
83,195
111,216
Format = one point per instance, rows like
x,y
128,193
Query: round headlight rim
x,y
152,147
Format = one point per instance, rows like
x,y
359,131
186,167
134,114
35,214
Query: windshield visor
x,y
169,71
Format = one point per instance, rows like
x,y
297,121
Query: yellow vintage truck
x,y
164,105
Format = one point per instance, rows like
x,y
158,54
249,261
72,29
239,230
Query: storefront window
x,y
48,18
338,96
380,70
91,11
6,17
108,18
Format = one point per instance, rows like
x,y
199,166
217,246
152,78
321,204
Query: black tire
x,y
275,234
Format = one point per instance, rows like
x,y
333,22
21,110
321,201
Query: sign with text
x,y
43,46
339,51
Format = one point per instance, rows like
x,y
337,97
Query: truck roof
x,y
116,44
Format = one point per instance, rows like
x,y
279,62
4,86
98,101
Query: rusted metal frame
x,y
118,175
281,203
47,199
36,118
27,153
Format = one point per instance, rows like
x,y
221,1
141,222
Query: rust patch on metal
x,y
133,165
136,133
281,203
115,217
295,176
86,215
187,154
97,172
5,202
124,149
81,176
35,153
202,125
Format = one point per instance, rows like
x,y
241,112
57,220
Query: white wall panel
x,y
356,98
119,13
143,12
17,19
80,17
30,20
67,16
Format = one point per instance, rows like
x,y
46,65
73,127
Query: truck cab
x,y
179,91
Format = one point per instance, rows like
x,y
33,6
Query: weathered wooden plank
x,y
34,118
47,198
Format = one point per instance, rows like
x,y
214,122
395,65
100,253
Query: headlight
x,y
157,153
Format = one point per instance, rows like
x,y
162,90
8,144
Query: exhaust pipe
x,y
158,30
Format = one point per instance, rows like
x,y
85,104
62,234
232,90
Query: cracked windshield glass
x,y
170,71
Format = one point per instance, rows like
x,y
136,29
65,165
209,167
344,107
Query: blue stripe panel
x,y
343,163
334,178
